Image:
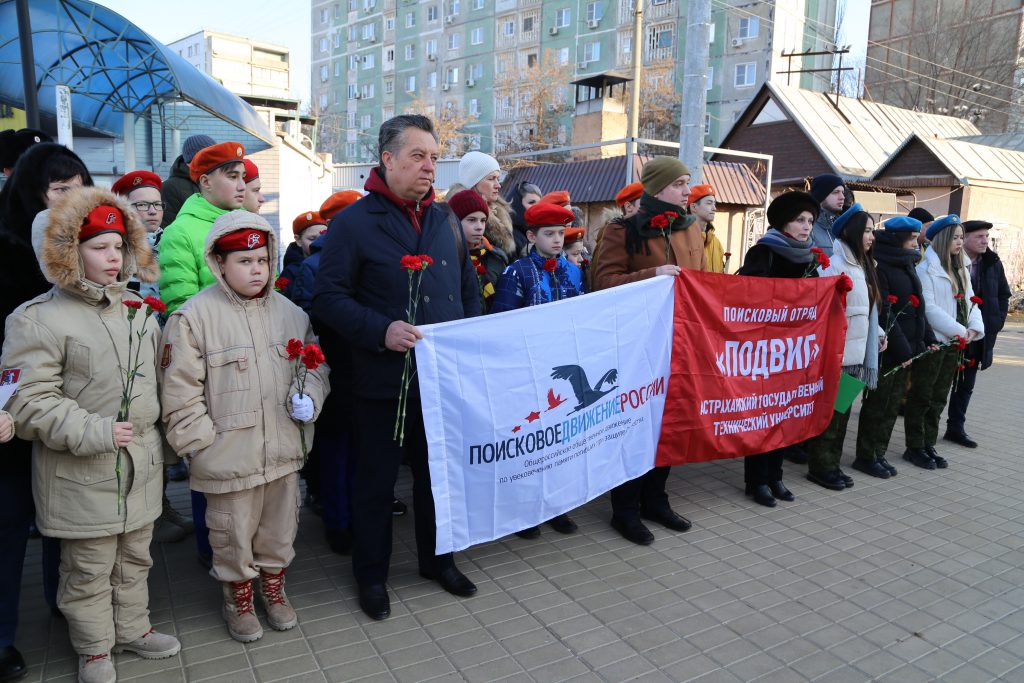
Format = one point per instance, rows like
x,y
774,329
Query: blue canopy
x,y
111,66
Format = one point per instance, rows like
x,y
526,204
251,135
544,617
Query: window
x,y
353,33
594,11
531,60
323,45
711,77
337,98
562,55
325,16
453,6
592,52
389,87
474,107
353,5
337,69
369,4
662,37
353,62
323,100
749,27
389,55
337,40
410,19
707,124
476,71
508,27
527,24
452,75
389,24
478,4
369,90
453,41
431,46
368,32
432,13
410,52
476,36
324,74
367,121
350,148
711,32
745,75
563,17
369,61
626,41
410,83
337,11
432,80
352,88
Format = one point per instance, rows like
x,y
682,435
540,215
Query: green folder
x,y
849,387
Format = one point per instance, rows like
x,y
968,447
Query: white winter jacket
x,y
858,303
939,304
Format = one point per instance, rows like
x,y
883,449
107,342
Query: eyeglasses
x,y
145,207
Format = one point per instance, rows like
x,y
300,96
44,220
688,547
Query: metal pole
x,y
634,107
695,91
28,61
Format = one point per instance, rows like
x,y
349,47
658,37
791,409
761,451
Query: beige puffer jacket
x,y
71,344
226,381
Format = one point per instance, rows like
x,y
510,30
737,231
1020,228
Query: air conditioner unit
x,y
432,57
553,31
736,42
582,65
470,82
450,19
357,96
593,23
446,87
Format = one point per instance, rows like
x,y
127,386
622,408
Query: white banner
x,y
532,413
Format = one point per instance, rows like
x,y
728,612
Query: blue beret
x,y
903,224
839,223
940,224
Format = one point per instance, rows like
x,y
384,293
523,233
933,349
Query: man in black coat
x,y
359,305
179,186
989,283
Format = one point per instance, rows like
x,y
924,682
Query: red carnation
x,y
976,300
671,215
844,284
659,222
294,348
281,284
425,261
410,262
817,250
551,265
727,254
892,298
958,297
972,363
154,303
914,301
133,303
961,367
823,260
312,356
961,343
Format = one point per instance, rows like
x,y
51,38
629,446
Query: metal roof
x,y
858,136
968,161
111,66
599,180
1004,140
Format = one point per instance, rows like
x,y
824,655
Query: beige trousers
x,y
103,592
253,529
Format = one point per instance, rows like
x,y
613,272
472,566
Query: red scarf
x,y
412,208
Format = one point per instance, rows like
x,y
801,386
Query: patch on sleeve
x,y
165,359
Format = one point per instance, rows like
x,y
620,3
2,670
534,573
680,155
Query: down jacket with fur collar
x,y
226,381
71,345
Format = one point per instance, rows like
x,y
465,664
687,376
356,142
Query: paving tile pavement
x,y
916,578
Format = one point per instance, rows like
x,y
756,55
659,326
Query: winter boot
x,y
280,614
152,645
238,612
176,518
96,669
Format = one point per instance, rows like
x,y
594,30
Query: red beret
x,y
338,201
466,202
545,215
252,172
101,220
573,235
135,180
245,239
629,193
307,220
215,156
699,192
559,197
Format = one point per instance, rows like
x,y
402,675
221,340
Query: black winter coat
x,y
361,289
897,276
761,261
176,189
994,291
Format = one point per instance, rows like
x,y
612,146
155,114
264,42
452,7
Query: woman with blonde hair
x,y
480,172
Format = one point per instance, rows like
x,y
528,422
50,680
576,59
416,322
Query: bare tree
x,y
538,95
958,60
450,121
660,102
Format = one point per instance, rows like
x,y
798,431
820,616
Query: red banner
x,y
755,365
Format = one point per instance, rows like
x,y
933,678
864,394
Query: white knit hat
x,y
474,167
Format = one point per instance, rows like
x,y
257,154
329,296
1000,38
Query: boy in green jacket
x,y
220,174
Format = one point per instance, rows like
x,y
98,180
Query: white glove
x,y
302,407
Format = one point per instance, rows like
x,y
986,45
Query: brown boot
x,y
238,612
280,614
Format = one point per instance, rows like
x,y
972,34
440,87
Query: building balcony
x,y
504,113
504,41
656,12
658,54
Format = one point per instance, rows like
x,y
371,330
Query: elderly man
x,y
359,302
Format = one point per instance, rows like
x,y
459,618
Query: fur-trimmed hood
x,y
55,239
230,222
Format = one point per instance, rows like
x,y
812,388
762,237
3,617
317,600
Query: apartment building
x,y
372,59
244,66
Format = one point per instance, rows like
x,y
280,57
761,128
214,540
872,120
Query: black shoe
x,y
177,472
667,517
872,468
453,581
847,479
918,457
339,540
960,438
761,494
830,480
374,601
633,531
562,524
398,508
796,455
313,503
12,666
885,463
529,534
939,461
780,492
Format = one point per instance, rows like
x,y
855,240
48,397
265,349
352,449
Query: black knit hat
x,y
823,185
921,214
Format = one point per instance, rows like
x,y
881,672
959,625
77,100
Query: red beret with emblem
x,y
573,235
546,215
135,180
307,220
629,193
245,239
338,201
252,171
559,197
211,158
101,220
